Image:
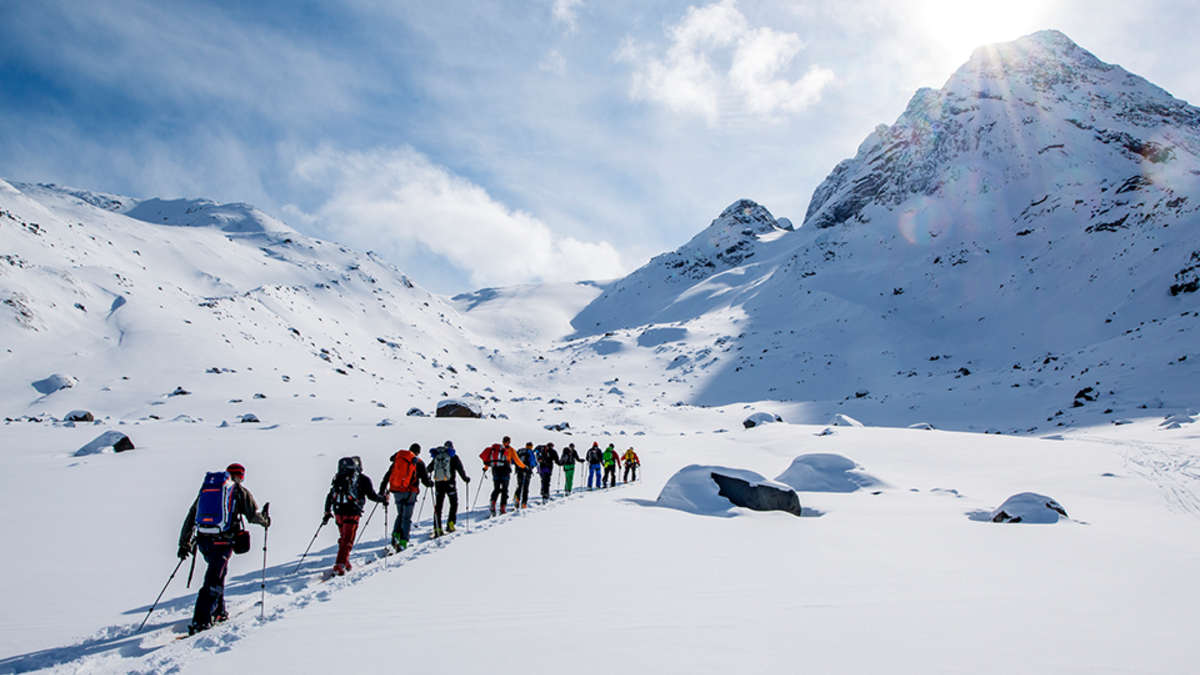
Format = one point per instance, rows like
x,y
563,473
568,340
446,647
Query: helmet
x,y
236,470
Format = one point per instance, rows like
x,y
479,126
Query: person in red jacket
x,y
499,458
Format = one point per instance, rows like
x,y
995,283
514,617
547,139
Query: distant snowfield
x,y
910,577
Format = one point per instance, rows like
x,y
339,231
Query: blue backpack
x,y
214,508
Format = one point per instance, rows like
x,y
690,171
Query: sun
x,y
960,26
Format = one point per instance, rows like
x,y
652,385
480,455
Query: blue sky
x,y
492,143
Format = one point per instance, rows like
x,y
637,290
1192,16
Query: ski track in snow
x,y
158,649
1172,468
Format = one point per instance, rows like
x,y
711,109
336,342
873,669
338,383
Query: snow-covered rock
x,y
109,441
459,407
822,472
1029,507
695,489
761,418
54,383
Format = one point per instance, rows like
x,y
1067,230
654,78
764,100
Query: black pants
x,y
610,476
210,601
443,489
546,477
630,468
521,496
500,487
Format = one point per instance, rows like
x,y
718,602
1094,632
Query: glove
x,y
184,551
325,520
266,520
467,478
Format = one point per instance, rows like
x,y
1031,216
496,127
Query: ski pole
x,y
364,527
193,570
468,501
262,607
310,544
160,594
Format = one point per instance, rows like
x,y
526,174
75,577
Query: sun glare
x,y
961,26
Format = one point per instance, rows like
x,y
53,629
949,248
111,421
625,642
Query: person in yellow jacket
x,y
631,464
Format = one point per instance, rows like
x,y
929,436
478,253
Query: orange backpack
x,y
404,472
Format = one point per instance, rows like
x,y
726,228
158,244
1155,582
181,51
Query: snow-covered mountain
x,y
133,302
1022,234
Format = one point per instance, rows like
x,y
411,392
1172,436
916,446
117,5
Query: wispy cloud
x,y
401,205
564,13
692,76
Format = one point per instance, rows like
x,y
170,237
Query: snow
x,y
925,307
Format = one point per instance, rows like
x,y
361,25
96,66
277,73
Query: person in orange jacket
x,y
499,458
631,464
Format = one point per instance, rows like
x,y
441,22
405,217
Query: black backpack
x,y
526,457
593,455
345,484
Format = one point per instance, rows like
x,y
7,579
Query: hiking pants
x,y
499,489
610,476
630,468
593,472
521,496
406,502
547,476
347,528
210,601
569,472
444,489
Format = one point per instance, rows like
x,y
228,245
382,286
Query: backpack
x,y
526,457
545,460
404,472
345,483
440,463
214,506
609,457
495,456
593,455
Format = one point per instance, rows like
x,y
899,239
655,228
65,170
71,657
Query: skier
x,y
404,477
348,492
547,459
631,464
499,458
612,462
443,464
528,457
594,457
569,458
215,525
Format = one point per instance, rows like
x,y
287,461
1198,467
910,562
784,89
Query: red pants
x,y
347,528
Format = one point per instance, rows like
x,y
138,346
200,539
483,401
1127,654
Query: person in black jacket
x,y
443,465
547,460
216,549
349,491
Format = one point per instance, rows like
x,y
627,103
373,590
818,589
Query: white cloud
x,y
564,13
686,80
398,203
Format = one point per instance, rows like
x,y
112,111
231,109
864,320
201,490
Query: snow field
x,y
909,579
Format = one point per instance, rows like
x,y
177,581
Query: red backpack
x,y
404,472
494,456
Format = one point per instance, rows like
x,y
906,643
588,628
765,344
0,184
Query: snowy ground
x,y
910,580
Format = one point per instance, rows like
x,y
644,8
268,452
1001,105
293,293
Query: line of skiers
x,y
214,524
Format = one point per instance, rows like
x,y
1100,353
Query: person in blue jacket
x,y
524,475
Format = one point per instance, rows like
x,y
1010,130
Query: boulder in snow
x,y
416,412
561,426
759,419
79,416
109,441
1029,507
695,489
840,420
459,407
821,472
249,418
54,383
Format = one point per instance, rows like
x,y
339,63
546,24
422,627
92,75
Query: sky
x,y
478,144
